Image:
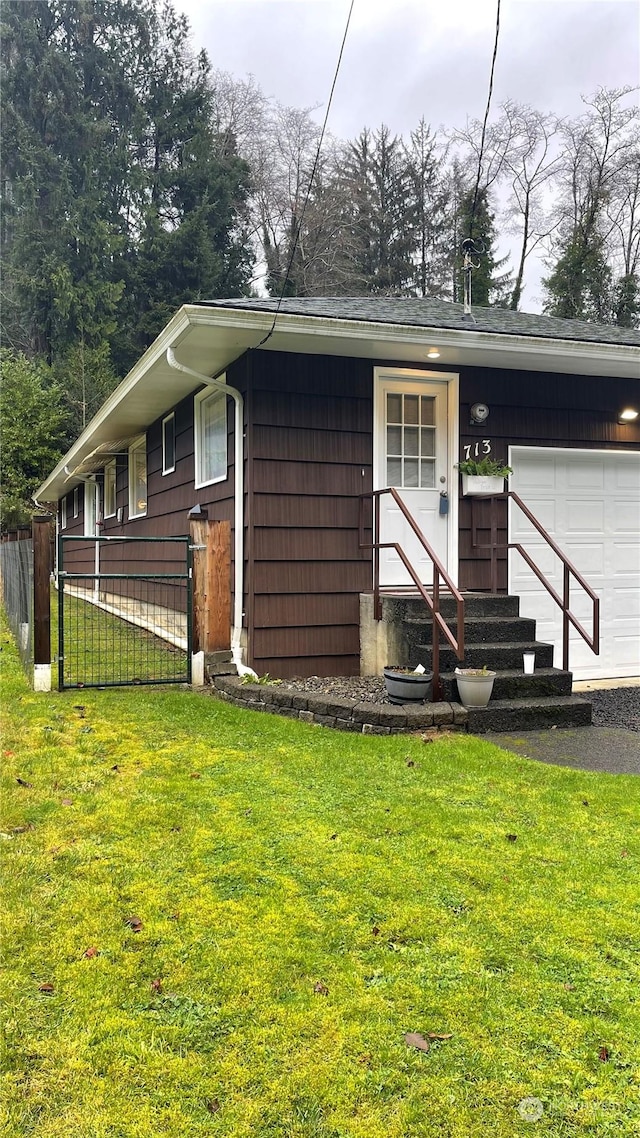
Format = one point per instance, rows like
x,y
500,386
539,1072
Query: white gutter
x,y
226,389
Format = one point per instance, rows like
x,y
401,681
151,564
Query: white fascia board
x,y
479,349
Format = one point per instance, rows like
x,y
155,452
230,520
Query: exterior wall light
x,y
433,354
629,415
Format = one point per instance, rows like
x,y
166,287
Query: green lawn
x,y
241,916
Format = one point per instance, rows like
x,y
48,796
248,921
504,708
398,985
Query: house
x,y
340,397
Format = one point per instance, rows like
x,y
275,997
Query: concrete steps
x,y
496,636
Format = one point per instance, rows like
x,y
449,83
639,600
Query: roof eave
x,y
244,329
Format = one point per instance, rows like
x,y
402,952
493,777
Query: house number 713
x,y
475,448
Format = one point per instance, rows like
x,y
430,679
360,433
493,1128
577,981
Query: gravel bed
x,y
615,707
366,689
612,707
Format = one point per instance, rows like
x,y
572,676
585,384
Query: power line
x,y
484,125
313,174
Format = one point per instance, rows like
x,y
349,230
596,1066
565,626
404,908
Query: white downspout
x,y
217,385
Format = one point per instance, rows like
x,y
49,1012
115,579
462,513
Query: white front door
x,y
412,455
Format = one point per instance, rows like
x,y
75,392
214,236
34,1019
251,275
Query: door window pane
x,y
394,440
394,472
428,442
411,472
394,408
411,440
427,474
427,410
411,409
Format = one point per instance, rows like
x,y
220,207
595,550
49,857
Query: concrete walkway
x,y
610,749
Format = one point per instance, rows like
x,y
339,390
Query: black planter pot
x,y
407,687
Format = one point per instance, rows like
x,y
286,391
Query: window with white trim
x,y
110,489
91,508
138,478
210,437
63,512
169,443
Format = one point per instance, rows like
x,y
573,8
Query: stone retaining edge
x,y
341,713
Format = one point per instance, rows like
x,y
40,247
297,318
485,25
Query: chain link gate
x,y
124,611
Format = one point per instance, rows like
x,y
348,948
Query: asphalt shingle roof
x,y
429,313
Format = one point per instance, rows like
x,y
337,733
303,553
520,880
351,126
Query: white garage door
x,y
589,502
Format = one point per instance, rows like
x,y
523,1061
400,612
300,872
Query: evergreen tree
x,y
120,201
383,214
431,200
31,434
489,286
580,288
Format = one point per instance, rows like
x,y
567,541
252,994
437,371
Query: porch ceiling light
x,y
433,354
629,415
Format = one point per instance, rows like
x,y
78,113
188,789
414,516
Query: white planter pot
x,y
474,691
481,485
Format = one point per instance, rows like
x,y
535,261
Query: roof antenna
x,y
470,249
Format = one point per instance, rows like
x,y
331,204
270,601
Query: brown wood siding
x,y
309,438
311,459
534,409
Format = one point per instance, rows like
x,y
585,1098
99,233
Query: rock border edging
x,y
341,713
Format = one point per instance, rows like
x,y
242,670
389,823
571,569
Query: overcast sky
x,y
412,58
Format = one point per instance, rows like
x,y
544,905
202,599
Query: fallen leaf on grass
x,y
512,837
23,829
195,774
333,837
438,1035
410,763
569,987
23,782
625,853
156,985
67,802
375,931
604,1054
320,988
365,1060
414,1039
134,923
47,988
9,754
213,1105
91,951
